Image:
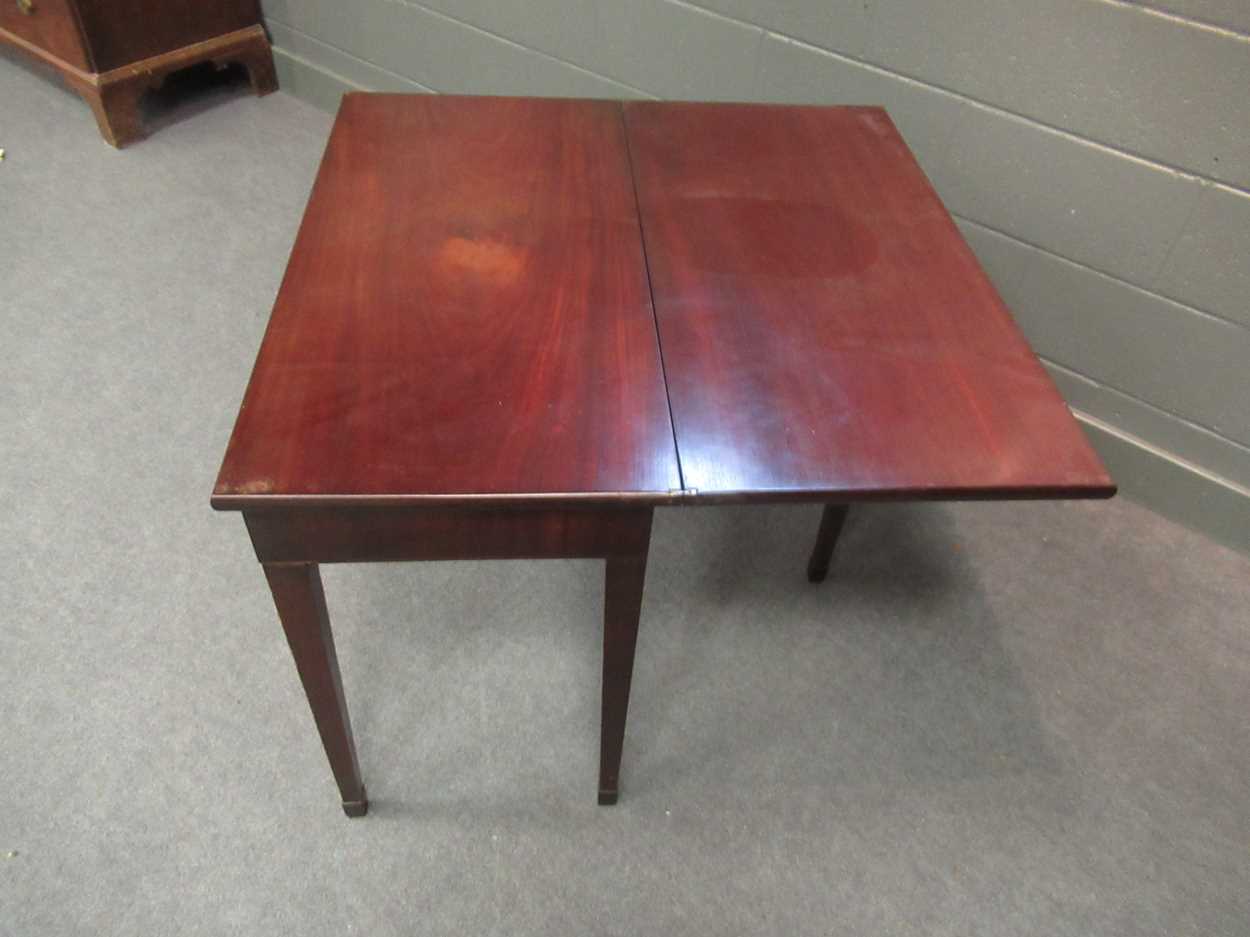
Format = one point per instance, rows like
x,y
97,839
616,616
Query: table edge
x,y
690,497
257,501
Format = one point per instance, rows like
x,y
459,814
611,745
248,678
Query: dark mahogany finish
x,y
463,361
126,31
52,26
373,534
825,329
111,52
302,608
622,604
465,312
291,540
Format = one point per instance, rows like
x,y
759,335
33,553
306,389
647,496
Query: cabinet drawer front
x,y
49,24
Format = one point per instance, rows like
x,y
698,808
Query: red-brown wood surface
x,y
825,329
465,312
125,31
49,24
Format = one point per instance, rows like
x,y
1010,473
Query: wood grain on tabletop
x,y
466,311
826,331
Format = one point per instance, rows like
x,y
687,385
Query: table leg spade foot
x,y
357,808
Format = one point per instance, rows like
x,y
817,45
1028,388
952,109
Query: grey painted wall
x,y
1096,154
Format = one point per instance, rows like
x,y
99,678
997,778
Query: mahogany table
x,y
511,328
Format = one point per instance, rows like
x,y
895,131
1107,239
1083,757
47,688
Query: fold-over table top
x,y
465,311
468,316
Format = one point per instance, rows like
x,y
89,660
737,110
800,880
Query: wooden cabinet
x,y
112,51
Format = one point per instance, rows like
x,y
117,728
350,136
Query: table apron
x,y
381,534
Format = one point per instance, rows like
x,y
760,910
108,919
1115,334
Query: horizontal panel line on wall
x,y
1179,18
1168,232
1119,151
520,45
1204,313
270,19
1217,454
657,46
1242,448
1116,75
441,51
1172,487
1114,213
1136,6
1139,343
1208,266
334,50
1172,457
328,73
1164,454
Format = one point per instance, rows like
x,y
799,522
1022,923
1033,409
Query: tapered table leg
x,y
623,583
301,605
831,522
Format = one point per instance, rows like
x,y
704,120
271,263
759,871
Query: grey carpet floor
x,y
994,719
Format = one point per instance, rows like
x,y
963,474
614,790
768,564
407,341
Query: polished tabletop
x,y
465,312
825,328
468,313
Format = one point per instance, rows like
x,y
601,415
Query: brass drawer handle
x,y
26,6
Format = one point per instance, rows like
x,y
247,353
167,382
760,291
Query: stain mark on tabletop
x,y
490,260
258,486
